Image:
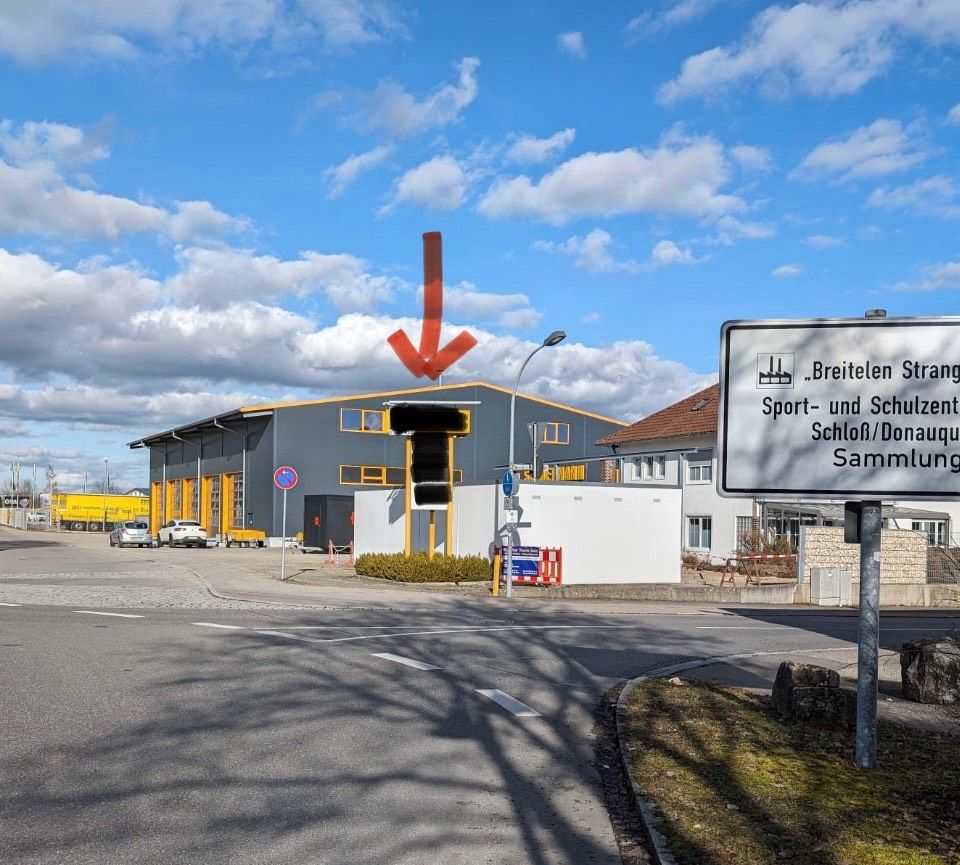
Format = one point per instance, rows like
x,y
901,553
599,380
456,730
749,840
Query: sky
x,y
213,203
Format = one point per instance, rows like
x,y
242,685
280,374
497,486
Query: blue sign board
x,y
526,562
509,483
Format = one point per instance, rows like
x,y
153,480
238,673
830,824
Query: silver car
x,y
135,533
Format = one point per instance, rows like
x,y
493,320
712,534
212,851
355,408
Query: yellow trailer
x,y
95,512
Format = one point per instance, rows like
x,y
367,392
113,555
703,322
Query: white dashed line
x,y
115,615
215,625
409,662
286,636
514,707
9,605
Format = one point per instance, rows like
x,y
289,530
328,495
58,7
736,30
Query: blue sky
x,y
209,203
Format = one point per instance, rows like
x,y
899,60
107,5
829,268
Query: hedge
x,y
418,569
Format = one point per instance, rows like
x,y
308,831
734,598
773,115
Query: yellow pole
x,y
408,498
448,545
495,585
432,536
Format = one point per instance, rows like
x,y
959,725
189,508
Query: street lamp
x,y
106,488
554,338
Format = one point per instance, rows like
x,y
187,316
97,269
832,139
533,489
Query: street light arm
x,y
513,399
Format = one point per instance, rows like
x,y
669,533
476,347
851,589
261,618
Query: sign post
x,y
858,410
510,484
285,478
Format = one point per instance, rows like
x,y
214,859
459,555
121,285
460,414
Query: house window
x,y
699,531
699,473
935,530
236,512
644,468
555,433
660,468
365,420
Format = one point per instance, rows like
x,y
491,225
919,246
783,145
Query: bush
x,y
418,569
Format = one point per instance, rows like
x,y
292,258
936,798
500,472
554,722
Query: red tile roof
x,y
695,415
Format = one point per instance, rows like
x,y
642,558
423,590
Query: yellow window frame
x,y
364,412
551,433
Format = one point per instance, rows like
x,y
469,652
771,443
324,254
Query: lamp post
x,y
106,488
554,338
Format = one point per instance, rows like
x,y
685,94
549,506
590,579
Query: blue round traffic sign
x,y
285,477
509,483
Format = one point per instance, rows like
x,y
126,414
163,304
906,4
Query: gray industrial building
x,y
220,469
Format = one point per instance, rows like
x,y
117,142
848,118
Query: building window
x,y
380,476
213,526
236,513
747,531
935,530
699,531
555,433
699,473
660,468
366,420
177,500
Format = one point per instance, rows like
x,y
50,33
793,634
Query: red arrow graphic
x,y
430,361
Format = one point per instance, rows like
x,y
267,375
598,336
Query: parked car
x,y
132,533
182,533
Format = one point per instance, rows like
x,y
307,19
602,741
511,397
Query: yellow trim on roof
x,y
427,390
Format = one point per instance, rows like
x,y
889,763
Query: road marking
x,y
739,627
215,625
115,615
9,605
287,636
514,707
673,669
409,662
478,631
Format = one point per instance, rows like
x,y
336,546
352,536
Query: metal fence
x,y
943,562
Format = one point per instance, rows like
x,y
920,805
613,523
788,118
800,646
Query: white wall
x,y
609,534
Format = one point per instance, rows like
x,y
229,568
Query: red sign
x,y
431,360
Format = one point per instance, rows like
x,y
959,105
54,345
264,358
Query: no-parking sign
x,y
286,477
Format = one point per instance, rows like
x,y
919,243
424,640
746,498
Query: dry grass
x,y
736,786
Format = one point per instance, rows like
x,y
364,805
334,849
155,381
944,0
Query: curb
x,y
658,844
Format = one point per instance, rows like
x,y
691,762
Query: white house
x,y
676,447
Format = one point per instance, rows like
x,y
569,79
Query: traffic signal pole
x,y
408,499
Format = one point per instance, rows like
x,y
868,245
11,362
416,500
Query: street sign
x,y
840,408
512,517
509,483
285,478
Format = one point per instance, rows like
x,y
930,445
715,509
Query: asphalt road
x,y
143,719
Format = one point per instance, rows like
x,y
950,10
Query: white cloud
x,y
731,231
217,277
953,116
934,277
52,142
883,147
591,317
529,149
118,30
35,199
391,109
823,241
468,303
679,13
817,48
440,183
573,44
787,271
120,359
679,176
666,252
342,175
934,196
754,158
591,253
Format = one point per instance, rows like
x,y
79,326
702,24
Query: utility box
x,y
831,587
327,518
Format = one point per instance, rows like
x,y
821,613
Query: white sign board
x,y
840,408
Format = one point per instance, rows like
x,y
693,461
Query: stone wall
x,y
903,554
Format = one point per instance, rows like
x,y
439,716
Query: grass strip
x,y
734,785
